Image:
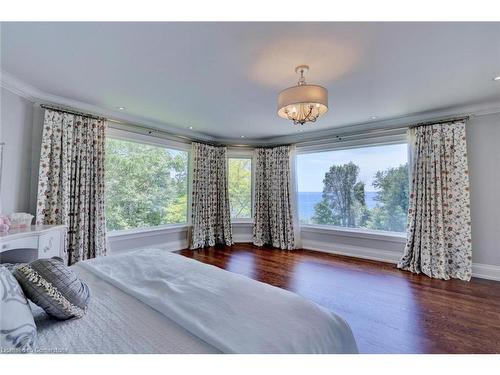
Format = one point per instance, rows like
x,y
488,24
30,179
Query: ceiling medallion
x,y
302,103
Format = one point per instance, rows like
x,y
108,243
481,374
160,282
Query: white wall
x,y
170,238
242,232
358,243
483,139
36,143
16,122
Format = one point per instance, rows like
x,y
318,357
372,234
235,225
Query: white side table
x,y
47,240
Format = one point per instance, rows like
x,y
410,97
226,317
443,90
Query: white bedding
x,y
115,323
228,311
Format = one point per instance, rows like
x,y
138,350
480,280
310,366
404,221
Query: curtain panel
x,y
71,182
439,225
210,214
273,218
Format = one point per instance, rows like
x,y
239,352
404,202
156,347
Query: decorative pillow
x,y
54,287
17,327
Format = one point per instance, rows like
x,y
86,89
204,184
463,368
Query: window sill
x,y
160,229
357,233
242,222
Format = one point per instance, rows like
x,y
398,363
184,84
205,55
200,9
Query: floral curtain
x,y
71,182
210,214
273,219
439,226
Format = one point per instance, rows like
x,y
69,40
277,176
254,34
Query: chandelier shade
x,y
302,103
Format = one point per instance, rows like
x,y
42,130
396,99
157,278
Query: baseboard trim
x,y
160,230
167,246
173,245
486,271
482,271
352,251
242,238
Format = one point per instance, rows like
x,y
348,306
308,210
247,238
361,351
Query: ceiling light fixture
x,y
121,108
302,103
497,78
190,128
373,117
242,136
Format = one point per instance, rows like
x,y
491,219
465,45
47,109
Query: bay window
x,y
240,187
146,185
363,187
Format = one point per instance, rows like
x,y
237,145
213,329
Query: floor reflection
x,y
242,262
366,302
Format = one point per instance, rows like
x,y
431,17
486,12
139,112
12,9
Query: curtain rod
x,y
73,112
389,129
145,130
347,136
150,130
425,123
450,119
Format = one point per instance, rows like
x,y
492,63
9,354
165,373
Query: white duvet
x,y
233,313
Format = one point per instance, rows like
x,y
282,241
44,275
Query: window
x,y
365,187
240,187
146,185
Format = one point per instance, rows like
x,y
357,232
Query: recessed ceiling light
x,y
497,78
190,128
242,136
121,108
373,117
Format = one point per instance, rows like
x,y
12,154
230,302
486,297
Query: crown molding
x,y
37,96
18,87
472,110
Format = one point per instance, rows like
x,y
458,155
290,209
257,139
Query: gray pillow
x,y
54,287
17,327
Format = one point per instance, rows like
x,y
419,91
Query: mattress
x,y
152,301
115,323
231,312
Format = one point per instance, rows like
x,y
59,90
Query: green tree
x,y
145,185
176,212
240,187
342,197
392,199
323,214
359,193
361,212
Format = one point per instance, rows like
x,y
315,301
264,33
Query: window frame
x,y
126,135
247,153
337,144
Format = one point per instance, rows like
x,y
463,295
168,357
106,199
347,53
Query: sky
x,y
311,168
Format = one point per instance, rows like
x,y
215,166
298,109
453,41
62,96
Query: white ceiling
x,y
223,78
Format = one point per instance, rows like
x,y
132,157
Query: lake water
x,y
307,201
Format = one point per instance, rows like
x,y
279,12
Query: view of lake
x,y
307,201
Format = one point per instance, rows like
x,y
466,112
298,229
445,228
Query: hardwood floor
x,y
389,311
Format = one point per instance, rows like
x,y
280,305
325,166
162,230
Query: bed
x,y
153,301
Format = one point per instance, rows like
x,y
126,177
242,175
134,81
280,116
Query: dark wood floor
x,y
389,311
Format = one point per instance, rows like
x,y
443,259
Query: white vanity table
x,y
45,240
